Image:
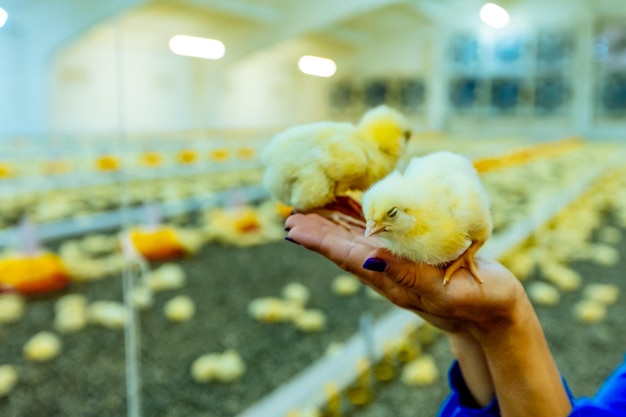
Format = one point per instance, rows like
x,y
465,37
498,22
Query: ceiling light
x,y
197,47
3,16
314,65
494,15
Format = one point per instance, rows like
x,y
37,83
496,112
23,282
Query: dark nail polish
x,y
287,229
375,264
287,238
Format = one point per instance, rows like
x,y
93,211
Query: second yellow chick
x,y
308,166
437,212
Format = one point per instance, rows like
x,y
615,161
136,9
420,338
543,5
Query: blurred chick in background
x,y
436,213
312,166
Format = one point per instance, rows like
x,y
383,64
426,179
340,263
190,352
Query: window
x,y
411,94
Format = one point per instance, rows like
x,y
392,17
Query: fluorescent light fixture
x,y
494,15
314,65
197,47
3,16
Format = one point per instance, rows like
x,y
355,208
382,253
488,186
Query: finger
x,y
401,281
355,253
310,229
294,220
402,272
364,257
308,223
347,249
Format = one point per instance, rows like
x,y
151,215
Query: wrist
x,y
513,317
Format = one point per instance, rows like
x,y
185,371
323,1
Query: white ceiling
x,y
253,25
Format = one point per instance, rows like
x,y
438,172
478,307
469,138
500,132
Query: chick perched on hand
x,y
436,213
311,166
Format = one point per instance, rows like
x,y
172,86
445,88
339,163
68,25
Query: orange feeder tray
x,y
247,221
158,245
187,156
283,210
6,170
35,274
246,153
151,159
108,163
219,155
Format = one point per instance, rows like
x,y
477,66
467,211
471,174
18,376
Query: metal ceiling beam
x,y
253,12
300,18
431,10
347,36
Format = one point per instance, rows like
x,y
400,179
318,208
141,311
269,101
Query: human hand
x,y
462,306
492,328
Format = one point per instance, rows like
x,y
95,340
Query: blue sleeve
x,y
610,401
461,403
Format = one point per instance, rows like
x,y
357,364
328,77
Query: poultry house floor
x,y
88,378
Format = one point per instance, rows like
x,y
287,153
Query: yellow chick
x,y
436,213
309,166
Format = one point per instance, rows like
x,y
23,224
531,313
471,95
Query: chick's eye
x,y
392,213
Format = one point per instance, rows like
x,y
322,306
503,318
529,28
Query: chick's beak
x,y
371,228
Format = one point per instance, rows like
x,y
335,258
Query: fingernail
x,y
287,229
375,264
287,238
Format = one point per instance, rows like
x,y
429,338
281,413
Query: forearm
x,y
526,379
474,368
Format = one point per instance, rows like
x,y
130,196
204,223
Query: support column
x,y
583,82
438,83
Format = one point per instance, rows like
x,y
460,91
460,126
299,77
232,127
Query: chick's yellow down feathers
x,y
437,212
308,166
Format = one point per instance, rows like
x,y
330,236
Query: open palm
x,y
461,306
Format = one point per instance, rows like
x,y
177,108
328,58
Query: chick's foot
x,y
344,211
466,260
346,220
349,206
342,219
